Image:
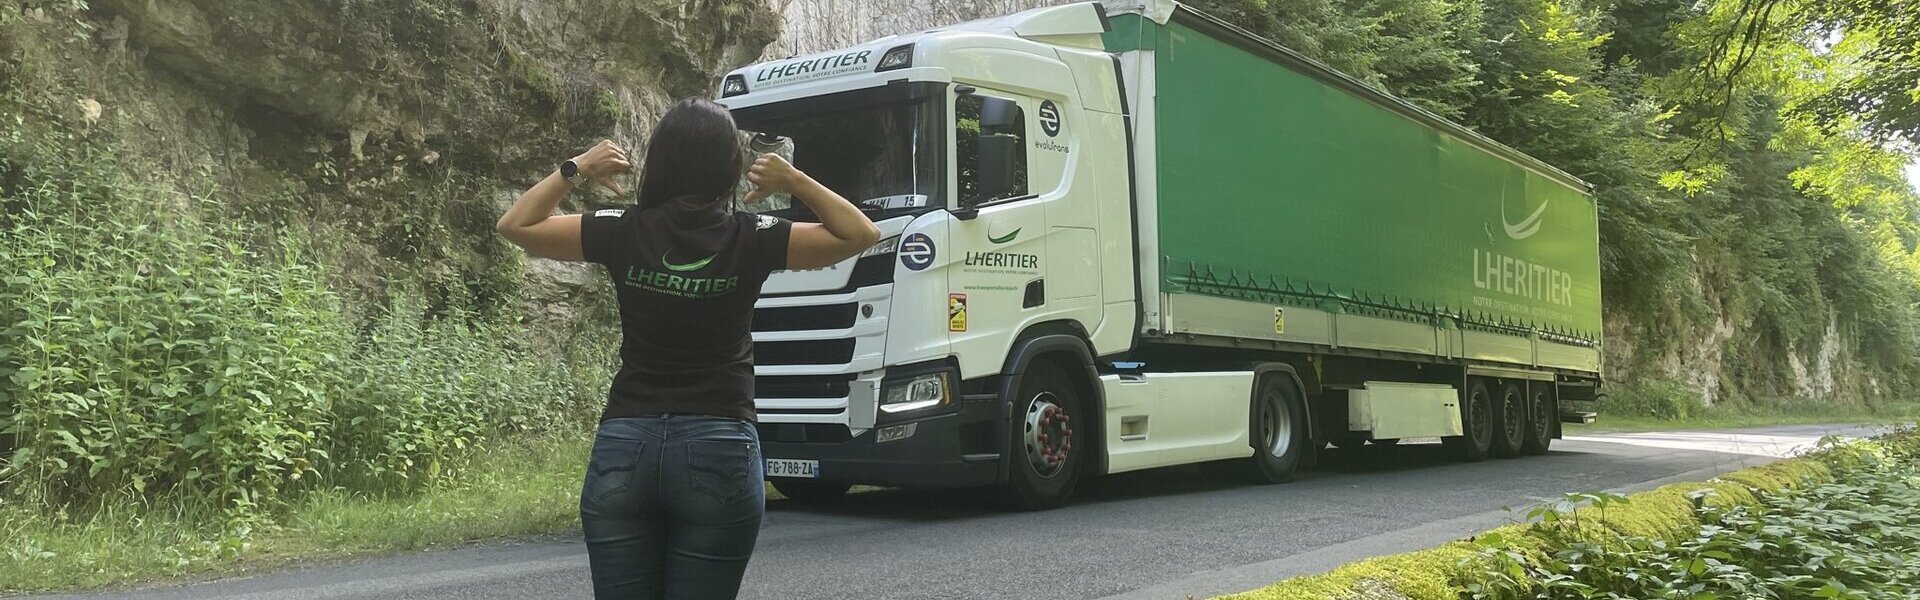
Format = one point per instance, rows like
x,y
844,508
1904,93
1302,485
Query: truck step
x,y
1578,416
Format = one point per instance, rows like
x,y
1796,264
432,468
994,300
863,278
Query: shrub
x,y
173,352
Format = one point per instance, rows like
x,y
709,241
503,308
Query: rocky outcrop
x,y
493,85
392,131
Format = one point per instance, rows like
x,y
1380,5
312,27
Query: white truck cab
x,y
994,154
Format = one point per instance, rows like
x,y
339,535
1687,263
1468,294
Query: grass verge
x,y
524,489
1633,414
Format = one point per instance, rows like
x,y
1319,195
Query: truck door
x,y
999,276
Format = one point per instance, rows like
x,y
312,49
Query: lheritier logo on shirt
x,y
684,267
677,285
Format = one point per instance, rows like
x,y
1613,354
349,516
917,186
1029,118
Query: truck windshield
x,y
883,156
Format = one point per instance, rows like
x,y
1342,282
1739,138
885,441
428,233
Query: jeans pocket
x,y
723,471
610,469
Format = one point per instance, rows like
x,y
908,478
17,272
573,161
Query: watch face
x,y
569,169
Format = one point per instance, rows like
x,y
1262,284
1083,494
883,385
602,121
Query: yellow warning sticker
x,y
1279,320
956,312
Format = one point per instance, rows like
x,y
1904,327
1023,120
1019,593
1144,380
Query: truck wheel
x,y
810,492
1545,413
1509,421
1278,429
1476,418
1044,468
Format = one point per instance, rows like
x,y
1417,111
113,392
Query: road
x,y
1161,534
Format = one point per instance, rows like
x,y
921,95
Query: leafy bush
x,y
171,354
1851,538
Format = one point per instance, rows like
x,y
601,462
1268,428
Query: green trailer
x,y
1282,201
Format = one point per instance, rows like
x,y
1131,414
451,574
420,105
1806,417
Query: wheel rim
x,y
1276,425
1513,416
1049,434
1480,417
1542,413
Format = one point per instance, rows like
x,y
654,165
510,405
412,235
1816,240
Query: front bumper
x,y
955,449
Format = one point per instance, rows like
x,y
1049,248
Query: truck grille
x,y
807,352
804,318
810,349
801,386
803,433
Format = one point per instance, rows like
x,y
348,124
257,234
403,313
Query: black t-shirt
x,y
686,282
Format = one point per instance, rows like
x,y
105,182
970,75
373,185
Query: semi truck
x,y
1130,236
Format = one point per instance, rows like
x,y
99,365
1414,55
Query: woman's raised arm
x,y
530,223
843,230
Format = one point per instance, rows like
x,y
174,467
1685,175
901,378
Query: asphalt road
x,y
1160,534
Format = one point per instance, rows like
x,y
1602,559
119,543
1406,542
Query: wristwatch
x,y
571,171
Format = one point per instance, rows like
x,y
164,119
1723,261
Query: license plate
x,y
786,467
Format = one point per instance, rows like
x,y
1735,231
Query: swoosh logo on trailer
x,y
1526,227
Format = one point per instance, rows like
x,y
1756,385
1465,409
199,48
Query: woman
x,y
672,500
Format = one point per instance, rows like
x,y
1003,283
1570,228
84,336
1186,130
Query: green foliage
x,y
1657,399
1880,83
1503,562
158,355
1850,538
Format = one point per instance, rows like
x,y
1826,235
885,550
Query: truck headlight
x,y
898,57
923,391
886,246
733,85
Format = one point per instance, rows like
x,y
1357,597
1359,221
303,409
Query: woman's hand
x,y
603,161
773,175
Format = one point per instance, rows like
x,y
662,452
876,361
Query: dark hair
x,y
694,157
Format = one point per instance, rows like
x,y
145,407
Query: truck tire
x,y
1510,423
1545,414
1476,419
811,492
1043,467
1278,430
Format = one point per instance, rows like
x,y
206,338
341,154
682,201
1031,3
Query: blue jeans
x,y
671,506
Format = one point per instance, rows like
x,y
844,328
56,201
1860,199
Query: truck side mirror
x,y
997,115
994,165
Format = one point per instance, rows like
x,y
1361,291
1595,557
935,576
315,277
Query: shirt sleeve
x,y
600,234
770,242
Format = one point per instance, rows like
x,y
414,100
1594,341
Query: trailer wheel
x,y
1545,414
811,492
1278,429
1476,418
1509,420
1044,467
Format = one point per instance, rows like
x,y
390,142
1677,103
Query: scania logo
x,y
916,252
1049,118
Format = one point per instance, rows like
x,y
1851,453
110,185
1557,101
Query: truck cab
x,y
993,156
